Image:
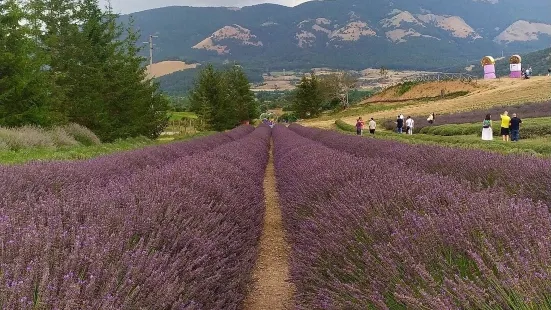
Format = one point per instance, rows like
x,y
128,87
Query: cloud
x,y
129,6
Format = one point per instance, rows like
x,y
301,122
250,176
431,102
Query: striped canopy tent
x,y
488,62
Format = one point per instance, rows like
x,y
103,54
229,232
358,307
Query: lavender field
x,y
371,224
171,227
368,232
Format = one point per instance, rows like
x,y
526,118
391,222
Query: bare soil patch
x,y
272,288
167,67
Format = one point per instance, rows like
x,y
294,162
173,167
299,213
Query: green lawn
x,y
84,152
176,116
539,146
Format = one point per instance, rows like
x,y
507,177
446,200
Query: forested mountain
x,y
354,34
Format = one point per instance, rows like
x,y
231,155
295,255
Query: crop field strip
x,y
373,234
518,175
166,227
371,224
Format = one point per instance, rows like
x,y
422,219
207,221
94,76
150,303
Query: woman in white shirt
x,y
409,125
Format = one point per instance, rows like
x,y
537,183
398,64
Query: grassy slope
x,y
81,152
489,93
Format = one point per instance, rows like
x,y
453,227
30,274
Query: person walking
x,y
372,126
505,122
359,126
399,124
515,127
409,125
487,132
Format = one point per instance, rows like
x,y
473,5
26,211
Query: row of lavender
x,y
369,233
519,175
527,110
150,229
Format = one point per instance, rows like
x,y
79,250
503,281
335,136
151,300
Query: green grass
x,y
83,152
530,128
176,116
540,146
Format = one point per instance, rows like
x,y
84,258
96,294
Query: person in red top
x,y
359,126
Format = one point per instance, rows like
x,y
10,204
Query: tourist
x,y
409,125
515,127
359,126
487,132
399,124
549,72
431,118
505,121
372,126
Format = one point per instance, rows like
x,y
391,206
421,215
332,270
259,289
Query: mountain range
x,y
349,34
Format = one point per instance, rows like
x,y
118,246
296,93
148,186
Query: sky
x,y
130,6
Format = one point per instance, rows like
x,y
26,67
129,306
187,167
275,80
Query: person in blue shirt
x,y
515,127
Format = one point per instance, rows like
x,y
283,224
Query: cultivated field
x,y
167,67
260,218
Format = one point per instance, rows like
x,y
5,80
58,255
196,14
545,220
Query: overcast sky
x,y
129,6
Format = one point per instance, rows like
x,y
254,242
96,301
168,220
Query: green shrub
x,y
405,87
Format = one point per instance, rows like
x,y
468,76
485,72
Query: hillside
x,y
486,93
353,34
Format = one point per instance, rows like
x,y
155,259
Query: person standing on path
x,y
399,124
505,121
487,132
515,127
359,126
409,125
372,126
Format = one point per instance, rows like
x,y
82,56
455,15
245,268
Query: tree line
x,y
67,61
222,98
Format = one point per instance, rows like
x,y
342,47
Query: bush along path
x,y
271,288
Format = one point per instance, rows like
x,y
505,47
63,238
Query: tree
x,y
95,65
24,87
337,86
308,97
207,96
240,96
223,99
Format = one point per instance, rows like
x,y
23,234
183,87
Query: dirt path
x,y
271,289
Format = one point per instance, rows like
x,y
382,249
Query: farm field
x,y
293,217
538,145
487,94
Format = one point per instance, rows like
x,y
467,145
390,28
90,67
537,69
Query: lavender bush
x,y
171,227
27,137
368,233
519,175
527,110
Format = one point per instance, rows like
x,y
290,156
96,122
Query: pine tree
x,y
240,96
96,67
308,99
207,96
25,96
